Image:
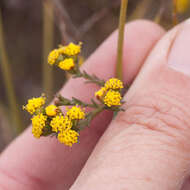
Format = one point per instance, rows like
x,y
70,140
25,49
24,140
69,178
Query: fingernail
x,y
179,57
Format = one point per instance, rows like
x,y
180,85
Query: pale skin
x,y
146,147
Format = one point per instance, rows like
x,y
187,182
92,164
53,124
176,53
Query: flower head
x,y
34,104
68,137
38,123
67,64
53,56
75,113
112,98
114,84
101,93
60,123
51,110
71,49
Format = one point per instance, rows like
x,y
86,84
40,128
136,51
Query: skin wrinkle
x,y
116,153
159,123
155,107
163,141
159,119
152,113
135,147
12,177
25,179
177,103
126,134
143,124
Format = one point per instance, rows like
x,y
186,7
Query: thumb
x,y
147,146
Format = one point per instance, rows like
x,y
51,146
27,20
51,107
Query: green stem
x,y
122,19
89,78
97,111
83,124
62,101
7,76
48,38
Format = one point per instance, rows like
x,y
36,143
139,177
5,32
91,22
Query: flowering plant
x,y
66,127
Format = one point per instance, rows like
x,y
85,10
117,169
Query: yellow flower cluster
x,y
64,56
60,123
48,120
75,113
51,110
53,56
67,64
110,92
101,93
38,123
71,49
68,137
63,125
112,98
34,104
182,5
114,84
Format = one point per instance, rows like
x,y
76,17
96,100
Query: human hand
x,y
145,147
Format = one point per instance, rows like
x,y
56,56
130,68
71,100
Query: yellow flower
x,y
34,104
67,64
38,123
51,110
101,93
114,84
60,123
53,56
182,5
68,137
75,113
71,49
112,98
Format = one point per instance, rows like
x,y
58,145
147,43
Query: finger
x,y
147,147
46,163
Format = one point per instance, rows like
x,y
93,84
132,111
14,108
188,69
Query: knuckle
x,y
158,112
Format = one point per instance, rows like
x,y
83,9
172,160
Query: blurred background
x,y
30,29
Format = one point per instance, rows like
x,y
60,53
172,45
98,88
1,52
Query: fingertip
x,y
139,38
147,33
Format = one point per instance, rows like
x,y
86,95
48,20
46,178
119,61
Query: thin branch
x,y
159,14
48,39
68,30
84,28
89,23
64,22
8,81
66,25
122,19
